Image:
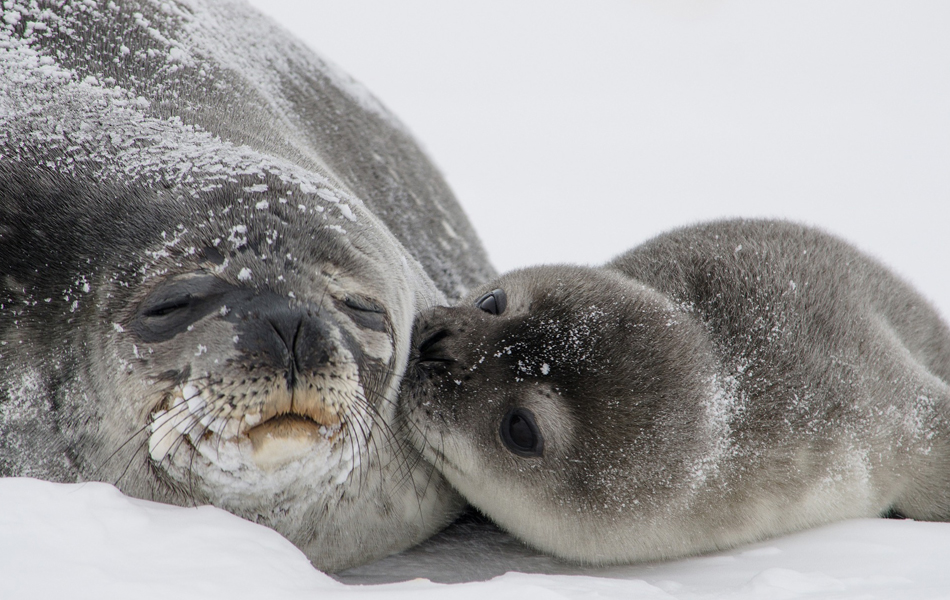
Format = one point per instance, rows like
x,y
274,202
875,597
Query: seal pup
x,y
717,385
212,249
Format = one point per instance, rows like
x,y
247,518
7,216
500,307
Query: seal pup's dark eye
x,y
493,302
520,433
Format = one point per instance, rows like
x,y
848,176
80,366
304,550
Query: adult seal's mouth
x,y
277,437
288,437
290,380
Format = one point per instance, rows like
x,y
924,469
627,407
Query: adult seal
x,y
719,384
212,248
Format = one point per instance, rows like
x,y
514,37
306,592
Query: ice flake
x,y
449,230
347,212
238,236
328,195
176,55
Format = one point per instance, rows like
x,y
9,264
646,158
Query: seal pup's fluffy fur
x,y
717,385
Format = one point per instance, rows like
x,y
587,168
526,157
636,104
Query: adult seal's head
x,y
211,254
717,385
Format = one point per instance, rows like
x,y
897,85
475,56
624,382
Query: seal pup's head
x,y
571,405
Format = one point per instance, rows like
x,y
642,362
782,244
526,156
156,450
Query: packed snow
x,y
87,540
571,131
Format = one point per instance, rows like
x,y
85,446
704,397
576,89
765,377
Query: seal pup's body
x,y
212,248
719,384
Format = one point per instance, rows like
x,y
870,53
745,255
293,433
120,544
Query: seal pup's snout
x,y
433,350
448,337
433,339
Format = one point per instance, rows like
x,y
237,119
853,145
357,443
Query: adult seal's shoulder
x,y
717,385
211,254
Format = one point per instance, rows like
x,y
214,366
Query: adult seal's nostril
x,y
313,339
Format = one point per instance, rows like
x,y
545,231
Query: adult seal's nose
x,y
280,335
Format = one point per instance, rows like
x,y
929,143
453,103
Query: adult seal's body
x,y
719,384
212,247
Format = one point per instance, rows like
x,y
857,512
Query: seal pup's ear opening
x,y
520,433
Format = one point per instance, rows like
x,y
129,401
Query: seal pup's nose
x,y
432,350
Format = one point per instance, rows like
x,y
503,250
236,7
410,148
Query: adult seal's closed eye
x,y
212,248
717,385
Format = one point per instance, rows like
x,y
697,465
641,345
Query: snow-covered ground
x,y
571,131
88,541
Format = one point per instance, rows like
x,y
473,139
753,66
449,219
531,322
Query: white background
x,y
571,131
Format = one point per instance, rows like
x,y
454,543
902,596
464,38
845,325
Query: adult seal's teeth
x,y
231,429
196,405
215,424
190,391
187,424
162,436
